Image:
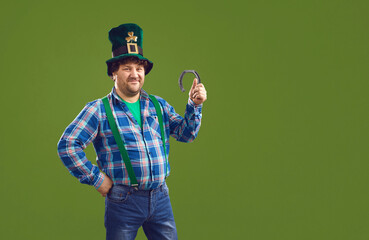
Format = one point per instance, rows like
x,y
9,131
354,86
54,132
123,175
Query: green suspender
x,y
160,118
119,140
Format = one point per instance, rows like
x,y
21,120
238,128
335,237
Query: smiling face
x,y
129,79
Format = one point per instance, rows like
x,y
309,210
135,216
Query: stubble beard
x,y
131,91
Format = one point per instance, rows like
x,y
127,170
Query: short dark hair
x,y
114,66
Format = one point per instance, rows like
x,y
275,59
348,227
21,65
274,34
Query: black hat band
x,y
129,48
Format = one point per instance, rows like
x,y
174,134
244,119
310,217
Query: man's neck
x,y
130,99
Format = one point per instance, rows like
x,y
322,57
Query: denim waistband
x,y
136,191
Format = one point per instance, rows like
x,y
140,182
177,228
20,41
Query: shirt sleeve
x,y
81,132
184,129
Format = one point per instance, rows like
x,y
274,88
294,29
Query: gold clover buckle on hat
x,y
132,47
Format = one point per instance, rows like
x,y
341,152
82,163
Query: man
x,y
136,197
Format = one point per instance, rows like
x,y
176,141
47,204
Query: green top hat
x,y
127,41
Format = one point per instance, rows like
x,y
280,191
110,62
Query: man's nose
x,y
134,73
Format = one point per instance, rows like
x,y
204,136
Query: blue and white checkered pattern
x,y
144,145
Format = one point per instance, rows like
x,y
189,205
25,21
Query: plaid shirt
x,y
144,145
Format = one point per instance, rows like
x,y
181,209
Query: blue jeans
x,y
127,209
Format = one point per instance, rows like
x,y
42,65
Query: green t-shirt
x,y
135,110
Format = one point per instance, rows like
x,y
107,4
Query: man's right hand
x,y
105,186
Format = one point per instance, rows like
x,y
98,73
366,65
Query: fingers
x,y
198,90
194,84
104,192
199,93
195,81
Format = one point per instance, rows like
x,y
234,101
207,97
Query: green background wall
x,y
283,148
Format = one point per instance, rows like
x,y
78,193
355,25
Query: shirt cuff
x,y
197,108
98,180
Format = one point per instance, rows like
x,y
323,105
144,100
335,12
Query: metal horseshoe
x,y
181,77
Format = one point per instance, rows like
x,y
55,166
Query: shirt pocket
x,y
154,127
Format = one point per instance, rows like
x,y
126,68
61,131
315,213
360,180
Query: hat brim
x,y
120,57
